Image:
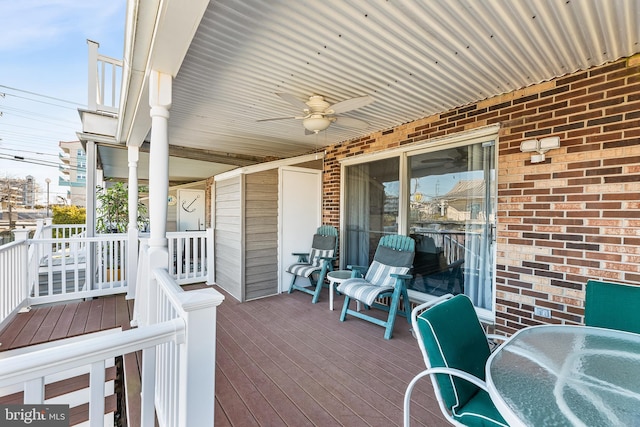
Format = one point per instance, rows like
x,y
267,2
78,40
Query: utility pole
x,y
9,202
48,181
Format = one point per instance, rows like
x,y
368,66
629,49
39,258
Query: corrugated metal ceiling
x,y
416,58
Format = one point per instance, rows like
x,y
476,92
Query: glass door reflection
x,y
451,218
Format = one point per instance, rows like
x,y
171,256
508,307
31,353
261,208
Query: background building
x,y
74,172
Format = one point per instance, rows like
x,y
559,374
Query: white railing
x,y
13,278
191,256
63,268
82,267
193,385
40,225
178,360
68,230
105,75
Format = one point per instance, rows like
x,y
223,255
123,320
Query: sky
x,y
43,79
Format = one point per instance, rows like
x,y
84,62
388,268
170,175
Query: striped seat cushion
x,y
315,263
377,280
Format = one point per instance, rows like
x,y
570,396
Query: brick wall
x,y
573,217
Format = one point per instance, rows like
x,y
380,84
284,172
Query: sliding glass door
x,y
451,217
371,210
445,199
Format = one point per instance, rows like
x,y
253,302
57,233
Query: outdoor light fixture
x,y
316,123
539,146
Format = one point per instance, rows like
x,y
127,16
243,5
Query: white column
x,y
92,162
92,166
132,237
211,266
160,102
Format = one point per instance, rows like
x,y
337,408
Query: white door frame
x,y
300,206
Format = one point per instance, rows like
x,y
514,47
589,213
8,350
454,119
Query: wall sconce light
x,y
539,146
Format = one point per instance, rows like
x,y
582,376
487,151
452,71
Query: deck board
x,y
31,327
94,317
61,330
108,320
46,329
79,321
12,330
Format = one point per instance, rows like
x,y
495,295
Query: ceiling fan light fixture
x,y
316,123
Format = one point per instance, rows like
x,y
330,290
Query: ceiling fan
x,y
318,114
446,159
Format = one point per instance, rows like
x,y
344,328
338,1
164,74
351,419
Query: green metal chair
x,y
612,305
316,263
386,277
455,350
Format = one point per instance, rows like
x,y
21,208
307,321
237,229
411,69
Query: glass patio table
x,y
555,375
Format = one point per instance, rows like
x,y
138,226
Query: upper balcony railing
x,y
105,76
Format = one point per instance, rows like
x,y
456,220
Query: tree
x,y
68,215
113,210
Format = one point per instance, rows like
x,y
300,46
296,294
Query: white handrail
x,y
37,364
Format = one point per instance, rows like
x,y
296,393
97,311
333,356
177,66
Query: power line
x,y
42,102
26,151
28,160
31,127
47,163
57,123
77,104
35,113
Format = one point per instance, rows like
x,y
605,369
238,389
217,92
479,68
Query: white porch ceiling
x,y
115,163
415,58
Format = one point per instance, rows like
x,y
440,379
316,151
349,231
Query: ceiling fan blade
x,y
293,101
351,104
277,118
350,123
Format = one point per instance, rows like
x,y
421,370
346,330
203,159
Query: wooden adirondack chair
x,y
315,264
386,277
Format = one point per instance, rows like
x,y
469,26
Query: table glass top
x,y
340,274
569,375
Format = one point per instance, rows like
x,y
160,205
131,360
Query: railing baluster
x,y
189,261
148,386
34,391
96,400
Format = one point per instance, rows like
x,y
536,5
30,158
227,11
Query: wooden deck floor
x,y
53,322
281,361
